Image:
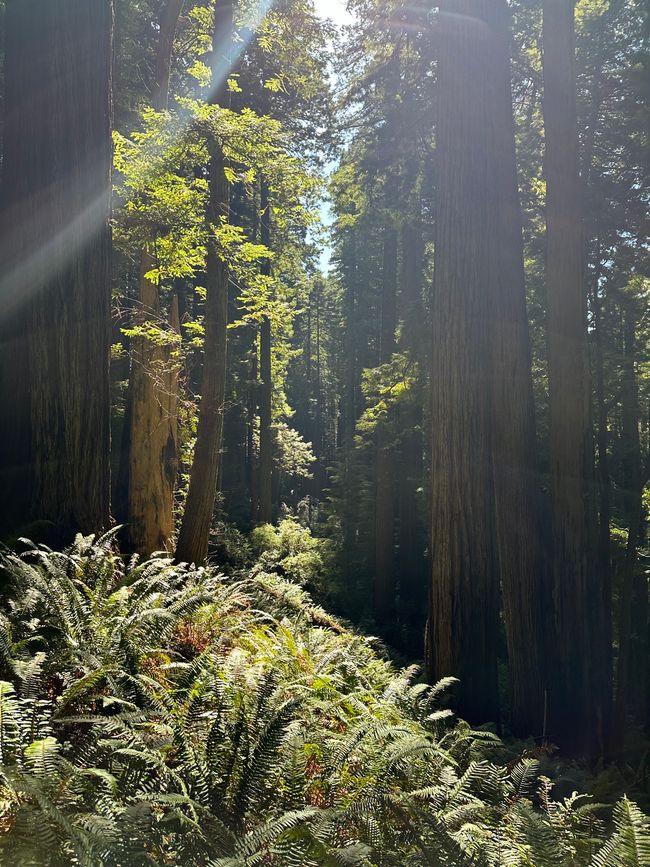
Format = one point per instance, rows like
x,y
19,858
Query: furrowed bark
x,y
574,713
462,633
153,384
56,267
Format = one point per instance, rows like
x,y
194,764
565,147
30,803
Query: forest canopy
x,y
324,432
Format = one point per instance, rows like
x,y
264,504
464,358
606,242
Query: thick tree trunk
x,y
576,718
194,534
153,384
55,403
265,482
516,479
462,634
153,427
484,466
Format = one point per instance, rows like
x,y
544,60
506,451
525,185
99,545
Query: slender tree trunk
x,y
411,563
575,715
349,405
153,385
55,267
604,558
194,534
265,484
634,482
250,436
385,490
603,601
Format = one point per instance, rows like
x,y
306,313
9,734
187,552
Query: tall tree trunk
x,y
385,490
575,715
349,402
55,428
462,634
153,384
634,481
484,465
514,445
411,566
603,602
194,534
604,556
265,483
252,413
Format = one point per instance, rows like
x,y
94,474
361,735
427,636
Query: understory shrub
x,y
291,551
155,715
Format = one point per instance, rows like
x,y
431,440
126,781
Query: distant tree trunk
x,y
604,556
462,634
603,601
250,435
634,481
194,534
168,21
265,482
318,439
385,493
56,245
153,385
576,715
349,402
410,539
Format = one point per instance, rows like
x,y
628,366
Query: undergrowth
x,y
152,714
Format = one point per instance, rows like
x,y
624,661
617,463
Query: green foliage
x,y
153,714
384,388
290,550
630,844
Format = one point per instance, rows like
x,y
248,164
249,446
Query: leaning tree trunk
x,y
462,634
152,412
56,265
194,534
576,718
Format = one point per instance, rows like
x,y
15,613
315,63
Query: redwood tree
x,y
576,713
56,266
483,457
462,635
152,402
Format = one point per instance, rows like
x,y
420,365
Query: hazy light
x,y
23,277
334,9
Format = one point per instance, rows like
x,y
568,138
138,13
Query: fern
x,y
630,844
152,713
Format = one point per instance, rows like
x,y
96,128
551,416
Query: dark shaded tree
x,y
56,249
